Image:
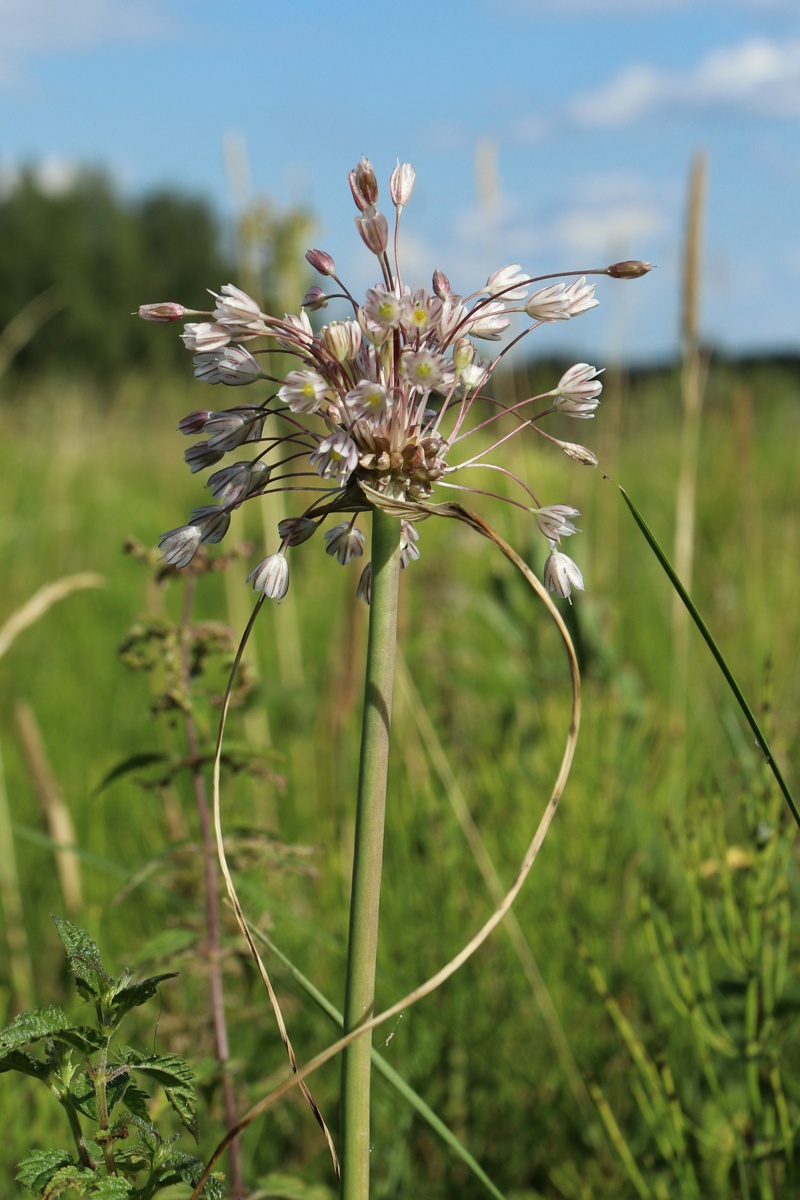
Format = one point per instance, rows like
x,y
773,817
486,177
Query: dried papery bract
x,y
382,410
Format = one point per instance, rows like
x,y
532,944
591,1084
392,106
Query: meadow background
x,y
635,1032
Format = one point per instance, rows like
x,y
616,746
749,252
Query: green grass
x,y
79,477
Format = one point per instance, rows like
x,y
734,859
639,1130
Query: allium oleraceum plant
x,y
376,416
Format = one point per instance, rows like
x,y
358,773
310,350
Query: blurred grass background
x,y
87,462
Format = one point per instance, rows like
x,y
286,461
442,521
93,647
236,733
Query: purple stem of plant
x,y
221,1045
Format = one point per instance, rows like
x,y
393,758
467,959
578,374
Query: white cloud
x,y
600,9
32,27
758,77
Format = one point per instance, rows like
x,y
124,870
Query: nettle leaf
x,y
83,1038
91,977
185,1168
88,1183
32,1025
137,1102
84,1094
26,1064
132,995
175,1076
36,1171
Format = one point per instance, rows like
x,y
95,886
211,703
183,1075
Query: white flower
x,y
303,391
235,483
548,304
299,332
554,521
336,456
490,322
561,575
505,278
271,577
179,546
401,184
368,399
420,312
579,297
344,543
203,336
235,307
382,308
238,366
295,530
427,371
206,367
212,521
578,391
232,427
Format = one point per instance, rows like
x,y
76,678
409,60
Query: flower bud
x,y
271,577
632,268
162,313
374,230
295,530
441,285
463,353
321,261
364,185
315,298
401,184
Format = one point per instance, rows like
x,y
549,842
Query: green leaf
x,y
132,995
175,1076
26,1064
129,764
185,1168
88,1183
84,1095
91,977
137,1103
36,1171
32,1025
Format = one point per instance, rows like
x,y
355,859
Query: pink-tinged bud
x,y
321,261
632,268
315,298
374,230
162,313
364,185
441,285
401,184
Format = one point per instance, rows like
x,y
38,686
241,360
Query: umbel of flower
x,y
386,405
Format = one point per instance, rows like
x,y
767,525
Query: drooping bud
x,y
315,298
401,184
364,185
271,577
463,353
631,268
294,530
321,261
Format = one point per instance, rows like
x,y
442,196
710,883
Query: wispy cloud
x,y
33,27
758,77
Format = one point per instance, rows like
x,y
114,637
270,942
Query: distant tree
x,y
104,256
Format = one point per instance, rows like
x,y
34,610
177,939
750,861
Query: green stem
x,y
368,852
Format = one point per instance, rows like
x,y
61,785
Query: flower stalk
x,y
368,853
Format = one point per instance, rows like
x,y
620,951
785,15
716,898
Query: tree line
x,y
75,264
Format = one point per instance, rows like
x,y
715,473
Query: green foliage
x,y
104,256
99,1086
489,676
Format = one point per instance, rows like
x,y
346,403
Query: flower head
x,y
378,404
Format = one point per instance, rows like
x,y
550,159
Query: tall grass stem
x,y
368,853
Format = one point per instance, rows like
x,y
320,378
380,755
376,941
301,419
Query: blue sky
x,y
578,117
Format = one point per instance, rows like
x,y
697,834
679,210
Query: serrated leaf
x,y
134,994
32,1025
36,1171
175,1076
185,1168
26,1064
87,1183
126,766
84,1097
91,977
137,1102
